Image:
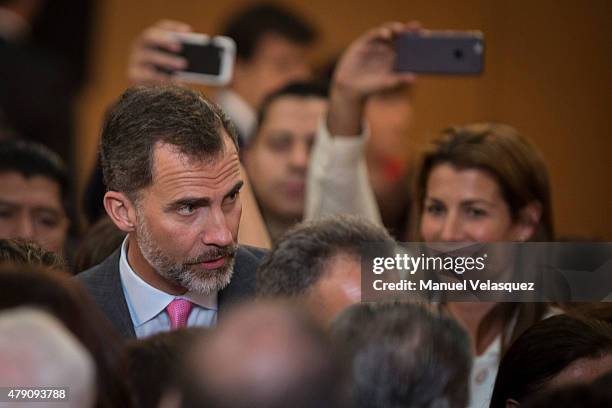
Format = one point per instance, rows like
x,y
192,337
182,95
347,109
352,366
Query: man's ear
x,y
528,221
121,210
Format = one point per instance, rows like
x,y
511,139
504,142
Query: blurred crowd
x,y
214,257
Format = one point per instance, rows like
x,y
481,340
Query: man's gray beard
x,y
201,281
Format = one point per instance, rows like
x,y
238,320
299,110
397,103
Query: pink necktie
x,y
178,311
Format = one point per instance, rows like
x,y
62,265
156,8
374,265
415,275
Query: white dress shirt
x,y
486,365
482,377
243,116
147,304
337,181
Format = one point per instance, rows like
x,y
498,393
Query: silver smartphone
x,y
440,52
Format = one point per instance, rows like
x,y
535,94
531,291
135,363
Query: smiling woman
x,y
484,183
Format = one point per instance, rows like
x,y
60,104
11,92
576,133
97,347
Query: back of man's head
x,y
152,364
29,253
263,355
145,117
248,27
63,297
561,349
299,259
404,356
595,395
37,351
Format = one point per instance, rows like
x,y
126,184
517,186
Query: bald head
x,y
37,351
264,355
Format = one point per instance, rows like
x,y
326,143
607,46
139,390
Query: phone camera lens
x,y
458,54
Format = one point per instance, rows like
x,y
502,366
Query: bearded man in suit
x,y
172,171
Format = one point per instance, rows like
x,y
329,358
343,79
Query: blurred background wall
x,y
547,73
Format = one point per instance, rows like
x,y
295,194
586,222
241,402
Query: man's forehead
x,y
286,108
36,190
172,166
272,43
14,180
295,99
36,177
165,154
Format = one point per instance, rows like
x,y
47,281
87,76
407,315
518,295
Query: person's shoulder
x,y
252,252
242,284
247,261
100,271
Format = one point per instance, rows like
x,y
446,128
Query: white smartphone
x,y
210,60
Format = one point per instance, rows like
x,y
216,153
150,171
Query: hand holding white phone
x,y
210,60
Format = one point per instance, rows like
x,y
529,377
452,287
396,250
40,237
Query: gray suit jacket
x,y
103,282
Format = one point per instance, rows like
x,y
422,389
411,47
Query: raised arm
x,y
338,180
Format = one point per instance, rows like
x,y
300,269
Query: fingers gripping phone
x,y
210,60
440,52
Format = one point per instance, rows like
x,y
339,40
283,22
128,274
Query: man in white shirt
x,y
278,155
292,181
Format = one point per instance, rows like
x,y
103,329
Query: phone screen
x,y
204,59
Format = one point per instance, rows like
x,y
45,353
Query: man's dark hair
x,y
32,159
299,258
594,395
147,115
152,365
404,356
309,89
249,26
546,349
29,253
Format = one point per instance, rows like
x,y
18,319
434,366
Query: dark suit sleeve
x,y
258,253
242,285
103,283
